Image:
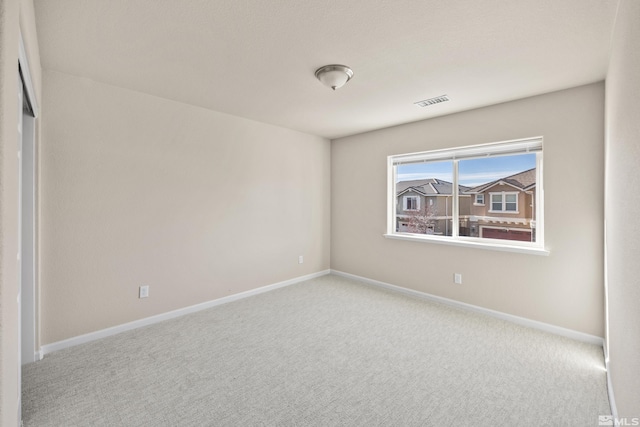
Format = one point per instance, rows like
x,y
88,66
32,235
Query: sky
x,y
472,172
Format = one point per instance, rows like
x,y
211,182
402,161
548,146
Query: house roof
x,y
426,187
522,180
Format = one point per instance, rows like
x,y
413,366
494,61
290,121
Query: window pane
x,y
412,205
496,202
430,181
513,179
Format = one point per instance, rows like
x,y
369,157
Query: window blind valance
x,y
505,148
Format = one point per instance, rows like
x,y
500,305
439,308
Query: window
x,y
504,202
455,182
411,203
496,202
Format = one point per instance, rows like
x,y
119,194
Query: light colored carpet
x,y
327,352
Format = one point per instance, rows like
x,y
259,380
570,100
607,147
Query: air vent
x,y
432,101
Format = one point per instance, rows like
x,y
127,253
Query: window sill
x,y
469,244
506,212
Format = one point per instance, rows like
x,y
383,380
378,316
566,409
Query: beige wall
x,y
197,204
564,288
15,16
623,209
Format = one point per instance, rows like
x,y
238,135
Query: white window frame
x,y
455,155
405,199
476,202
504,195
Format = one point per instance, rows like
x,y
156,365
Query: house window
x,y
411,203
496,202
504,202
508,173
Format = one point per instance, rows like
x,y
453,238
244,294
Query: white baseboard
x,y
569,333
92,336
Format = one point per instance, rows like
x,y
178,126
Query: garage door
x,y
506,234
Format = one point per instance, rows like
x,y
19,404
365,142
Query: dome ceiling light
x,y
334,75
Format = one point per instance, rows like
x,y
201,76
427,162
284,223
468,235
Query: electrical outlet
x,y
144,291
300,259
457,279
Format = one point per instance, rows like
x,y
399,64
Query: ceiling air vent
x,y
432,101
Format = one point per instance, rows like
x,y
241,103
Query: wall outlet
x,y
144,291
300,259
457,279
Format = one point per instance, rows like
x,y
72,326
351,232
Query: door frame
x,y
28,313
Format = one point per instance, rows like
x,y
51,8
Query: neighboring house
x,y
424,206
500,209
505,208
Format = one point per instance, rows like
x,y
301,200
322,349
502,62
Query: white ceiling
x,y
256,58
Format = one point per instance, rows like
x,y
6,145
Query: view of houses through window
x,y
496,196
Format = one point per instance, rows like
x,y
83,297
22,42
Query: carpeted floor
x,y
327,352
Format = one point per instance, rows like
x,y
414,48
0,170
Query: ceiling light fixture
x,y
334,75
